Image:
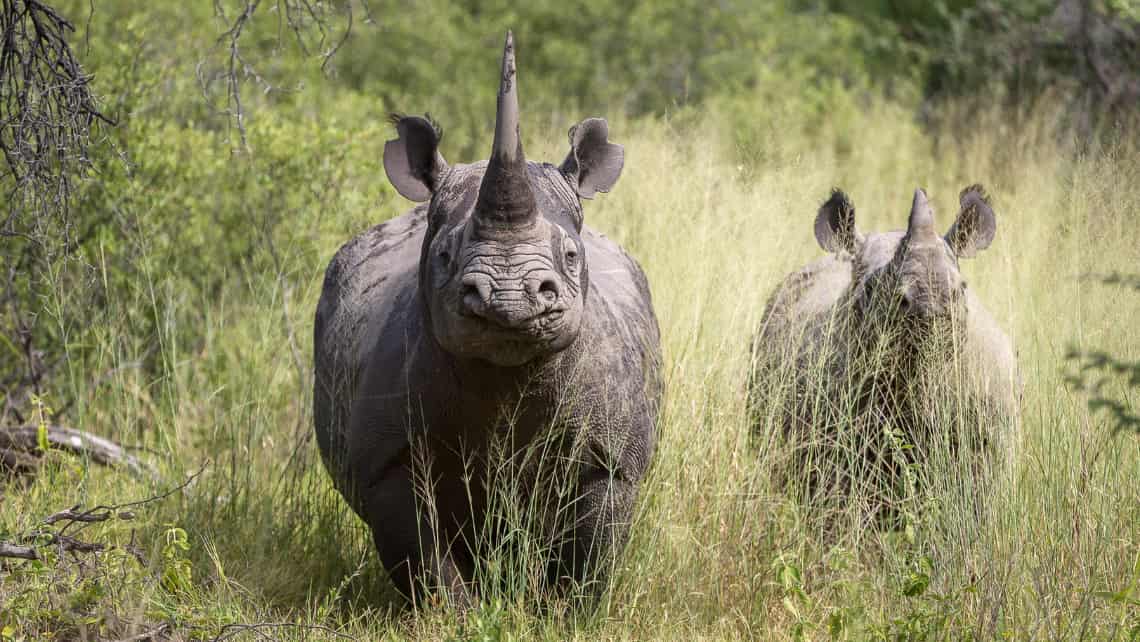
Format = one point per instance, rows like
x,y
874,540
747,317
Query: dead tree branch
x,y
21,446
17,551
47,109
118,508
47,116
312,27
30,542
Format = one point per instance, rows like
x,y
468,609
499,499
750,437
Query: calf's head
x,y
909,279
503,270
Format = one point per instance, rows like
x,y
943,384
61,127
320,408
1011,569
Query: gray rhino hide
x,y
383,382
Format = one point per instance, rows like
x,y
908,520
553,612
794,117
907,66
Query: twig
x,y
66,543
70,514
46,107
303,18
142,502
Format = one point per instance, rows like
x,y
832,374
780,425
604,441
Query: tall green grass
x,y
717,551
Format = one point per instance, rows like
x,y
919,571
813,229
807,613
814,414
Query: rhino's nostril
x,y
549,290
472,299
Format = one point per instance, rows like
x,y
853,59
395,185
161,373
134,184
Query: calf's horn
x,y
921,223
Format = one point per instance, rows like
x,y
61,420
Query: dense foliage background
x,y
166,300
184,81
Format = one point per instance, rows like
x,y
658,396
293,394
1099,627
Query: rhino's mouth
x,y
537,327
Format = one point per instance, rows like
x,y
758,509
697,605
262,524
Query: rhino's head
x,y
503,270
910,278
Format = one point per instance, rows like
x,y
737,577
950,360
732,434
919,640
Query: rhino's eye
x,y
571,256
445,258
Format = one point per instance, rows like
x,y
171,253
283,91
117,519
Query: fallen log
x,y
20,448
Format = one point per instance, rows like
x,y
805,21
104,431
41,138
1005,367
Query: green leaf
x,y
916,584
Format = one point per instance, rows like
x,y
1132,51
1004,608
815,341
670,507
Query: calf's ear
x,y
975,227
412,161
593,164
835,224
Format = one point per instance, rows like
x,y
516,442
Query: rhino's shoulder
x,y
355,277
614,273
356,258
809,292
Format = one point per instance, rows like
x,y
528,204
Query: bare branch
x,y
73,515
65,543
102,451
18,552
307,21
141,502
46,111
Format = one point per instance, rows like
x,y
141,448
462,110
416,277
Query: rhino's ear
x,y
835,224
412,161
593,164
975,227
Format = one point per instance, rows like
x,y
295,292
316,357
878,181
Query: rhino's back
x,y
804,304
368,284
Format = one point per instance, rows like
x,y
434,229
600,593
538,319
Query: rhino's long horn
x,y
505,196
921,223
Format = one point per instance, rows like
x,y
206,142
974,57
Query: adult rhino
x,y
879,350
451,340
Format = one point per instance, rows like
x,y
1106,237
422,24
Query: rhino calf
x,y
452,339
880,348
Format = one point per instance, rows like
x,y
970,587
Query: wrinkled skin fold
x,y
487,355
878,356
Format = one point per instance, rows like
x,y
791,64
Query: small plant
x,y
790,579
177,572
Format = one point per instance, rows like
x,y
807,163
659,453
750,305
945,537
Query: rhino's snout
x,y
511,304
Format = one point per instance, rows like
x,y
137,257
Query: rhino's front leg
x,y
600,522
416,558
